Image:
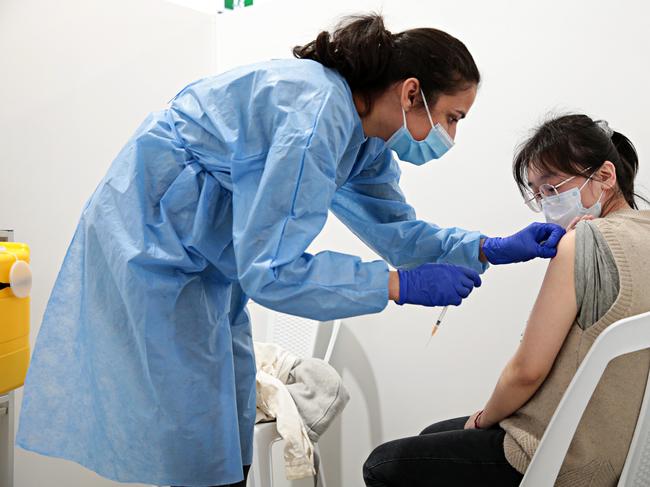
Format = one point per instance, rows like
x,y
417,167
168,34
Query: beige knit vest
x,y
599,448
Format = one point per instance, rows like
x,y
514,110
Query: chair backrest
x,y
637,465
625,336
302,336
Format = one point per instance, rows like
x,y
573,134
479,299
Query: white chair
x,y
627,335
305,338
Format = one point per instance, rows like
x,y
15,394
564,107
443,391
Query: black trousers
x,y
443,455
238,484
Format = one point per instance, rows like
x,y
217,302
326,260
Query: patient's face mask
x,y
562,208
434,146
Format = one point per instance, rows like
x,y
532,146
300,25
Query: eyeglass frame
x,y
528,201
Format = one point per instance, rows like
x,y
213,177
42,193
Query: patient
x,y
572,168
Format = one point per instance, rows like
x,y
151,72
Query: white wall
x,y
78,76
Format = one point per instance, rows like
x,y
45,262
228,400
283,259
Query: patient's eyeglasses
x,y
534,200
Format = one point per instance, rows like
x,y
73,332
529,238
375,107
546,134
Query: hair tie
x,y
604,126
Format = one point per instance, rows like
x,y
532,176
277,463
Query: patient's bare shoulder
x,y
566,249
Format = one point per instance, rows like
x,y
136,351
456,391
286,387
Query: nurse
x,y
143,370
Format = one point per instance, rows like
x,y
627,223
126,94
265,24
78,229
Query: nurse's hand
x,y
436,284
536,240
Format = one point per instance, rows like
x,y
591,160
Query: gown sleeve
x,y
280,204
373,206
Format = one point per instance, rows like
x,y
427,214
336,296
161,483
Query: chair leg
x,y
261,472
318,463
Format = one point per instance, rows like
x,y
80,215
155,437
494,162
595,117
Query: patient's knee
x,y
373,468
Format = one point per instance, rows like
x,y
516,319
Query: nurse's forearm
x,y
481,256
393,286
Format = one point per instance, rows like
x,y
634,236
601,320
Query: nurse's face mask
x,y
563,207
417,152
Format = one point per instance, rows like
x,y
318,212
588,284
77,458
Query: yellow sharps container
x,y
15,287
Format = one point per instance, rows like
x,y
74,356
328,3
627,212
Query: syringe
x,y
435,327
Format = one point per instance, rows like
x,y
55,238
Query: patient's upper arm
x,y
552,316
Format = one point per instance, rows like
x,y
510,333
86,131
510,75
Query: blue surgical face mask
x,y
562,208
434,146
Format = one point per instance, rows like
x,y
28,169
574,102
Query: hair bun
x,y
604,126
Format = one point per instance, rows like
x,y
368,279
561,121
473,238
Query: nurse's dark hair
x,y
371,58
576,145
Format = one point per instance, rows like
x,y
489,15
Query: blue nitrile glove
x,y
536,240
436,284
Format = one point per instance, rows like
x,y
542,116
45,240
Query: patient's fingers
x,y
577,220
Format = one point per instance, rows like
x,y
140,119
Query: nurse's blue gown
x,y
143,370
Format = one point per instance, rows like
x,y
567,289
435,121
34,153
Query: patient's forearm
x,y
512,391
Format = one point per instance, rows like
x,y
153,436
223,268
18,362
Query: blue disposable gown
x,y
143,369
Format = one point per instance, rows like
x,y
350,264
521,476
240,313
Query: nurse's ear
x,y
409,93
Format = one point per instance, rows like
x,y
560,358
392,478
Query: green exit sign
x,y
233,4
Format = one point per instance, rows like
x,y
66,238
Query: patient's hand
x,y
483,422
577,220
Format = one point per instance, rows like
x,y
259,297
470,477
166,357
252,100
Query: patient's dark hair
x,y
371,58
576,145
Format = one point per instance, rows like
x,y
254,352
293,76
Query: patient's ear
x,y
606,175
